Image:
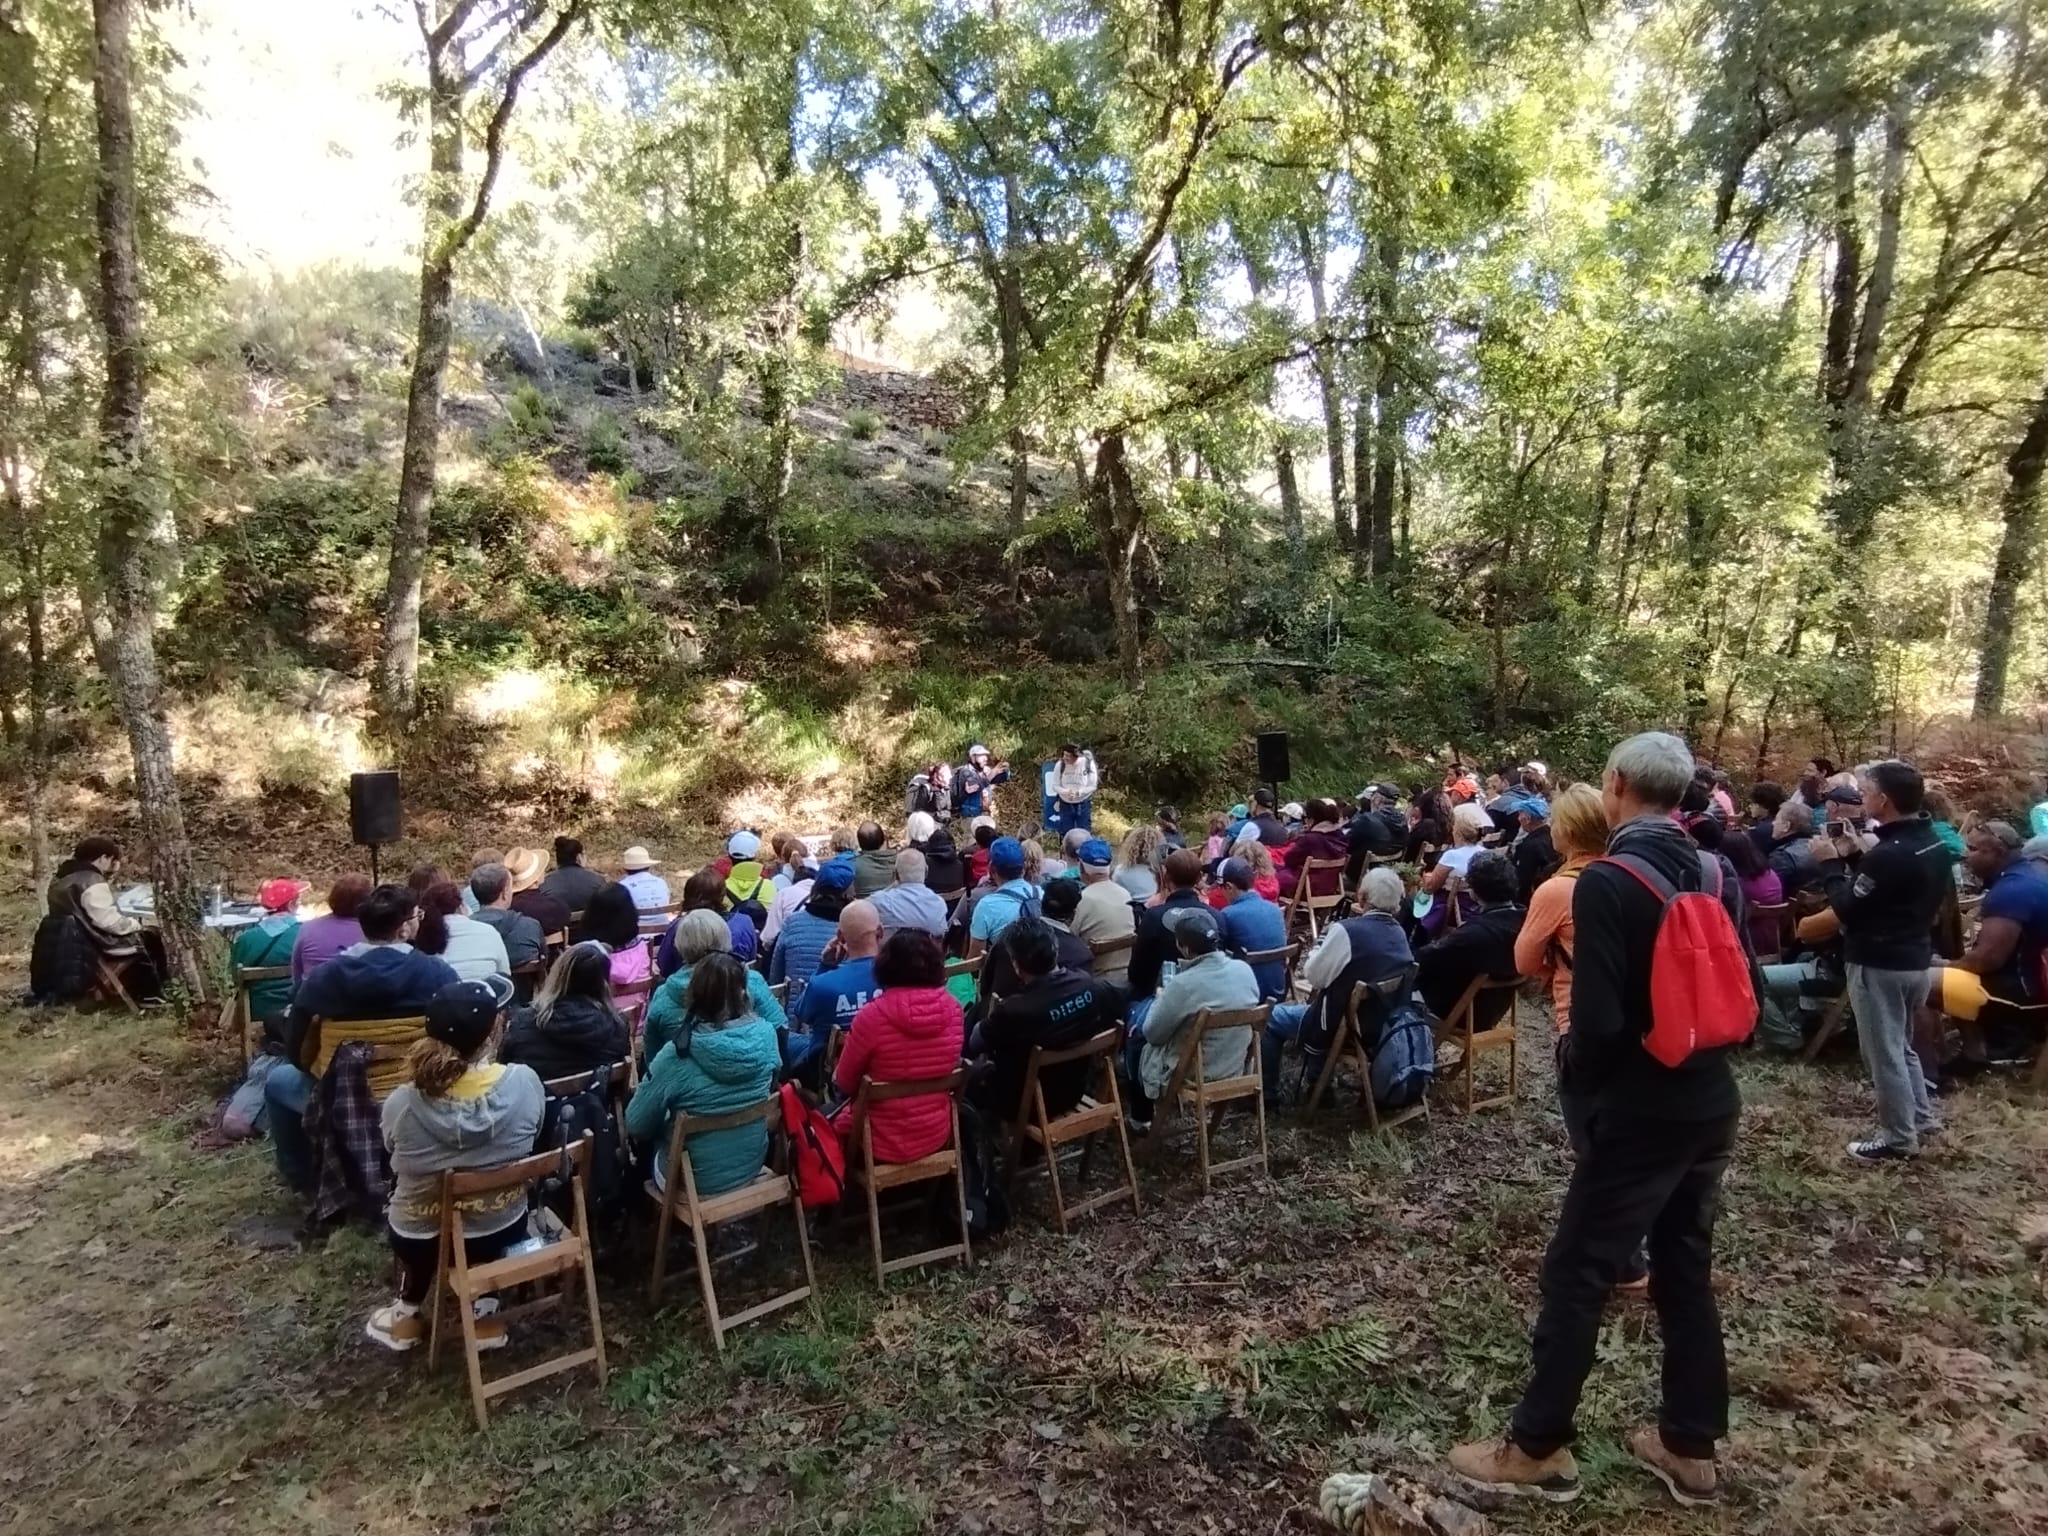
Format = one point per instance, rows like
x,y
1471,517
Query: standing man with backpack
x,y
1660,990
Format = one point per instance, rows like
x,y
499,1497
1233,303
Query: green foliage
x,y
604,446
862,424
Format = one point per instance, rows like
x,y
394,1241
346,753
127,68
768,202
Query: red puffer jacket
x,y
907,1032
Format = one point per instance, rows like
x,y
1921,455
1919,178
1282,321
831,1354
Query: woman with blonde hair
x,y
1138,860
1469,824
1265,873
1543,949
461,1110
573,1025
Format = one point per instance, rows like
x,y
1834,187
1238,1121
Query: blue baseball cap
x,y
836,873
1095,854
1006,855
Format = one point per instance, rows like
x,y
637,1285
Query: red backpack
x,y
1700,992
816,1155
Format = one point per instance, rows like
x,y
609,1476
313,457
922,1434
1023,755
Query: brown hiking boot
x,y
1501,1466
1691,1482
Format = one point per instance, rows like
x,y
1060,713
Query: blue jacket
x,y
725,1069
797,948
669,1016
830,1002
375,981
1250,922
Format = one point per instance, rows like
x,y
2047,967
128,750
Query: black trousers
x,y
1578,1129
417,1257
1635,1176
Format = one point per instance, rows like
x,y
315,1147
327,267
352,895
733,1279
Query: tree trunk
x,y
398,663
2016,550
1497,624
1118,517
28,549
1622,600
1326,378
1596,535
1283,451
1699,554
1884,263
776,378
1788,654
1838,347
1390,415
137,535
1365,486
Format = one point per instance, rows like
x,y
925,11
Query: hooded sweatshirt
x,y
747,881
668,1014
720,1070
376,981
491,1115
581,1035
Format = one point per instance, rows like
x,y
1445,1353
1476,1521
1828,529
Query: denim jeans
x,y
285,1093
1135,1099
1283,1025
1065,817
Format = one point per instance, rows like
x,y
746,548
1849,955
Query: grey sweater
x,y
1207,981
492,1115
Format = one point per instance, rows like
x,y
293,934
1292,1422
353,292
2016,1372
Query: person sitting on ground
x,y
1014,896
649,890
1206,977
570,882
812,926
1251,923
908,902
613,920
708,891
726,1059
1376,830
874,865
82,889
838,990
1761,887
1544,943
944,872
913,1030
531,898
477,861
1138,860
1045,1002
1371,947
698,934
1154,945
383,977
1534,850
1941,815
472,949
1272,829
1483,945
268,942
459,1109
2001,971
1104,913
1056,911
320,939
1322,839
491,885
573,1025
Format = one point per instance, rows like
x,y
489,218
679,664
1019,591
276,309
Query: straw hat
x,y
637,857
526,866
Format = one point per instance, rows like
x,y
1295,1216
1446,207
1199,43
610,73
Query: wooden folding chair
x,y
1188,1088
1780,915
391,1041
107,982
766,1190
567,1256
1461,1025
552,944
1102,949
875,1177
1454,905
630,998
237,1014
1103,1110
618,1086
1833,1015
780,992
1285,957
953,899
1348,1044
966,967
1306,906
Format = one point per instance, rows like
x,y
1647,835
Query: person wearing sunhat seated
x,y
462,1109
531,898
268,942
650,891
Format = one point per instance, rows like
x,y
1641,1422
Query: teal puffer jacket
x,y
717,1071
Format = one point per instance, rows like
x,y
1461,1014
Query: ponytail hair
x,y
435,1066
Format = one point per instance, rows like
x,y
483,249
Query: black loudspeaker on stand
x,y
375,813
1273,764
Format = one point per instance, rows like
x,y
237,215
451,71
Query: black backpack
x,y
567,1119
988,1207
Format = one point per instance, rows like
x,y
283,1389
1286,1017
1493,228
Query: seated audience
x,y
1138,861
1766,799
985,832
268,942
913,1030
1216,846
384,977
1154,946
1056,912
570,883
1545,942
812,926
1251,923
649,890
2001,969
748,889
320,939
1206,977
1105,911
461,1110
82,889
838,990
1376,830
1167,820
1484,945
698,934
1534,849
531,899
1428,827
1469,825
491,886
1370,947
1014,896
1761,887
874,864
917,826
1941,813
943,870
573,1025
1791,855
1273,831
1321,838
1045,1002
786,901
424,878
789,861
613,920
708,891
477,861
726,1060
909,901
472,949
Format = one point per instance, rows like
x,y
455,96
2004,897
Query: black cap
x,y
462,1014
